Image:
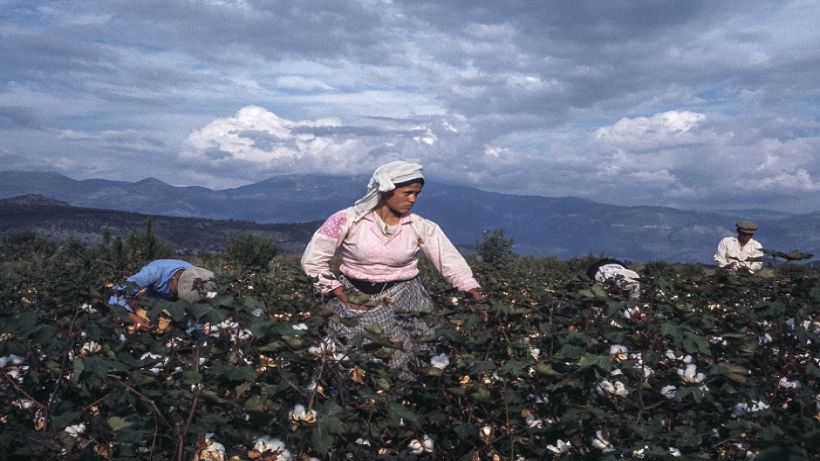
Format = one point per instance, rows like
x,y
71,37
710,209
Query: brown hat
x,y
746,226
195,283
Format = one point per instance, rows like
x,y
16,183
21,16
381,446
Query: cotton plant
x,y
786,384
606,389
669,391
423,445
690,374
210,450
326,349
161,361
600,442
299,416
618,352
742,408
75,430
440,361
560,447
273,448
11,360
90,347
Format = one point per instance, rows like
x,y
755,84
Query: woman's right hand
x,y
340,294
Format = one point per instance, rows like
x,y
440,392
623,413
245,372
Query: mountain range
x,y
541,226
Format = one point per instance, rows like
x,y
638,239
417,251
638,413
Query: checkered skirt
x,y
396,313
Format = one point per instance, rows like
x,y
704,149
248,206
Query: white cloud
x,y
660,130
798,181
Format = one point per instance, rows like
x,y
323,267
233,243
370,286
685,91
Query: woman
x,y
380,239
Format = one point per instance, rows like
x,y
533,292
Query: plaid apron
x,y
395,312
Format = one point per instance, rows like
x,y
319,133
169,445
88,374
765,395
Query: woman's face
x,y
401,200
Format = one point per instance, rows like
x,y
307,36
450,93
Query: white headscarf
x,y
384,179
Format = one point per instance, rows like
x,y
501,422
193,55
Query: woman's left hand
x,y
476,295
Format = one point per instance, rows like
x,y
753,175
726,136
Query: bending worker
x,y
169,279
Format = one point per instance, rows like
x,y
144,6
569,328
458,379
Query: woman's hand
x,y
476,295
340,294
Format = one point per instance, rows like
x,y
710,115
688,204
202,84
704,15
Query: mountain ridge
x,y
541,226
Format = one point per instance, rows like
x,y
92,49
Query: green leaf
x,y
65,419
320,438
398,411
117,424
79,367
601,362
569,352
256,404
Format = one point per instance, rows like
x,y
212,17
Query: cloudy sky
x,y
677,103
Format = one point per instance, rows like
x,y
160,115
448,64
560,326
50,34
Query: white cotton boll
x,y
428,443
759,405
535,352
300,415
618,352
560,447
151,356
601,443
361,441
91,347
674,452
739,409
670,354
244,335
11,359
669,392
616,372
75,430
765,339
690,375
533,422
785,383
604,388
23,404
257,312
440,361
211,295
620,389
300,327
687,359
486,431
416,447
213,451
269,444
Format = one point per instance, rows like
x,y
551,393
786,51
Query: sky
x,y
687,104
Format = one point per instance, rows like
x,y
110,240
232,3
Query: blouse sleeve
x,y
445,257
320,250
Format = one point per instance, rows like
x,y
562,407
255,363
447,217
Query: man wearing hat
x,y
741,252
169,279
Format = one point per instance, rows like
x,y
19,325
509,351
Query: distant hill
x,y
559,226
58,220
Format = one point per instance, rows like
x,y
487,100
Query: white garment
x,y
729,250
624,278
384,179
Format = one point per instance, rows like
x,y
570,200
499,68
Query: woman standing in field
x,y
380,240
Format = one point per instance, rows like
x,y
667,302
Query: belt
x,y
373,288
